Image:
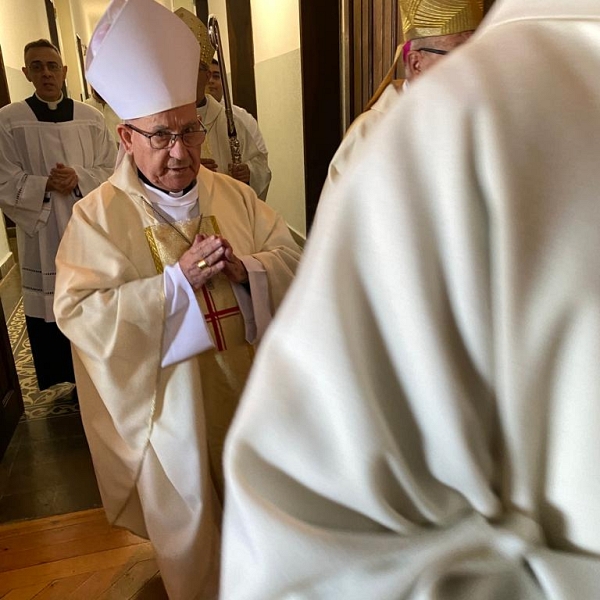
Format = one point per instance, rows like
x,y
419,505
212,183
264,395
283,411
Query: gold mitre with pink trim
x,y
428,18
200,31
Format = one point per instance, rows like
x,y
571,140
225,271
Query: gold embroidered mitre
x,y
199,29
427,18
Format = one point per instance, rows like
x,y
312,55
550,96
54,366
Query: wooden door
x,y
373,30
320,35
4,93
11,400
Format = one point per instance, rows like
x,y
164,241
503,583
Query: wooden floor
x,y
76,557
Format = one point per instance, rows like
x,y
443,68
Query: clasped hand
x,y
62,179
241,172
208,256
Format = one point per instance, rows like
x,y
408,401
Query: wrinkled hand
x,y
240,172
209,163
234,267
212,251
62,179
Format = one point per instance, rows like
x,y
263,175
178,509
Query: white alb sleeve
x,y
186,332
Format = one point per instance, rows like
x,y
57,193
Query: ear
x,y
125,134
64,70
414,64
26,72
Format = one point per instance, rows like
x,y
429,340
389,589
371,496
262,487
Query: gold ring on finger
x,y
202,265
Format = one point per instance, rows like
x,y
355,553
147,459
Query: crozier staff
x,y
215,38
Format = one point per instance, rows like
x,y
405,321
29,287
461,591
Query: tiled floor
x,y
47,469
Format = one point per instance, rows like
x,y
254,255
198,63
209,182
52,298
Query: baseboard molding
x,y
7,265
298,237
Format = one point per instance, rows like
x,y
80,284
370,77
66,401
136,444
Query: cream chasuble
x,y
155,433
422,421
361,127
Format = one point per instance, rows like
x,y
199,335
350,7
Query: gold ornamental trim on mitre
x,y
429,18
200,31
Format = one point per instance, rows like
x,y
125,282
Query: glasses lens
x,y
193,138
160,140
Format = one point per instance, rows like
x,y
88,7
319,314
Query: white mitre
x,y
142,59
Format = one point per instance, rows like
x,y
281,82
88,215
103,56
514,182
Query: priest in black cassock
x,y
53,151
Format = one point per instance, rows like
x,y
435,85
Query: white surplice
x,y
251,124
30,149
422,420
216,146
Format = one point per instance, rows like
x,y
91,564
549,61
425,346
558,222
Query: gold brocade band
x,y
216,299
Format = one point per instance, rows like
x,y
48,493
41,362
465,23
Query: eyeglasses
x,y
37,66
161,140
433,51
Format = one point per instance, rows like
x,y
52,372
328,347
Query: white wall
x,y
276,28
219,9
276,32
22,21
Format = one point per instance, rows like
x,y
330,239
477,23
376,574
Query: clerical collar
x,y
60,111
51,105
167,193
183,200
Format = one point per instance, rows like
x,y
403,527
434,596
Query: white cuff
x,y
186,333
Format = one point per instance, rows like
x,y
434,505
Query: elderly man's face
x,y
420,58
44,68
171,169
